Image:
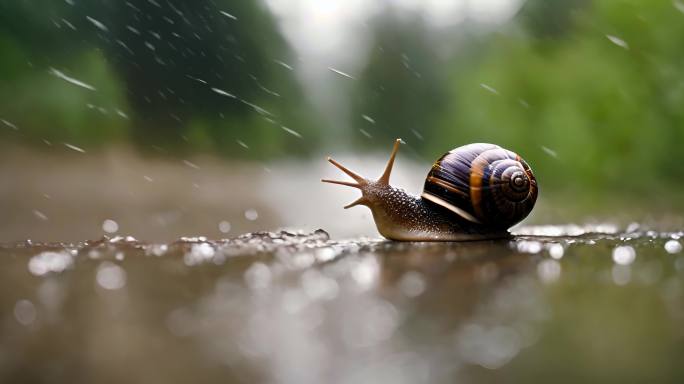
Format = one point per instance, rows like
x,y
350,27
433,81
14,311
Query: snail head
x,y
367,186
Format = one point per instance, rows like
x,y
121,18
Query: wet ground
x,y
554,304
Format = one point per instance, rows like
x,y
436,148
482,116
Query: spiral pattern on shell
x,y
484,184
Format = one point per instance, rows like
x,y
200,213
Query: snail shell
x,y
484,184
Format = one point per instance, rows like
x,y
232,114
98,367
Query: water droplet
x,y
529,246
71,80
365,133
319,286
617,41
97,23
341,73
199,253
110,276
191,164
73,147
556,251
673,246
368,119
291,132
258,276
223,93
251,214
549,270
228,15
549,152
489,88
624,255
46,262
25,312
412,284
365,272
110,226
622,274
224,226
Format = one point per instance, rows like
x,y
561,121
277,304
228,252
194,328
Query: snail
x,y
474,192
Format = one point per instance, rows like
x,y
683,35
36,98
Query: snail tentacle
x,y
384,179
359,179
340,182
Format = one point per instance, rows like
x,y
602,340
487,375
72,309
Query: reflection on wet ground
x,y
554,304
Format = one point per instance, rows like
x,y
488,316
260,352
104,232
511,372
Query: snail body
x,y
473,192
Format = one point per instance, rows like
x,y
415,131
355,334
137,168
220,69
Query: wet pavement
x,y
594,303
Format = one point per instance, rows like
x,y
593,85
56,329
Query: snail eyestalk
x,y
384,179
359,179
340,182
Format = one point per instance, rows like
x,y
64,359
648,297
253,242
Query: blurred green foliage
x,y
605,96
171,76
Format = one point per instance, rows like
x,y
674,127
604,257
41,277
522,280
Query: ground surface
x,y
554,304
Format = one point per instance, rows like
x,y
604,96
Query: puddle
x,y
555,303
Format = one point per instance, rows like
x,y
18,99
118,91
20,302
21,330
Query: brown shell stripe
x,y
476,174
448,186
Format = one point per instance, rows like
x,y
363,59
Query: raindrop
x,y
191,164
624,255
673,246
365,133
341,73
199,253
489,88
549,152
622,274
318,286
97,23
283,64
223,93
7,123
617,41
110,226
110,276
529,246
198,80
632,227
291,132
556,251
73,147
365,272
25,312
228,15
45,262
40,215
251,214
549,270
412,284
224,226
368,119
258,276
